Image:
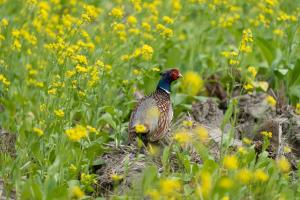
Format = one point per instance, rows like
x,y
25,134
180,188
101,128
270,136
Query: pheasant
x,y
152,115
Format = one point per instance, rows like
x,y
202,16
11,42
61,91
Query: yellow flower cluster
x,y
283,165
169,186
187,123
4,80
147,52
244,176
271,101
164,31
76,133
59,113
87,179
192,83
266,134
140,128
182,137
260,175
116,177
117,12
297,110
38,131
230,162
246,41
76,193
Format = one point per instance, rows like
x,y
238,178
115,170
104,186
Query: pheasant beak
x,y
180,76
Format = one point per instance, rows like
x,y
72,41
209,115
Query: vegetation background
x,y
69,71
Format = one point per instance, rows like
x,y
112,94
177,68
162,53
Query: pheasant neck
x,y
164,85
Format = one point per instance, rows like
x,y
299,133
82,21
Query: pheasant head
x,y
167,78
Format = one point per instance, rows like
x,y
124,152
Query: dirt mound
x,y
254,116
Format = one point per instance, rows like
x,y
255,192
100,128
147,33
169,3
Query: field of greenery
x,y
69,70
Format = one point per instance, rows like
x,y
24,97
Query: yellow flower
x,y
278,32
76,193
17,45
154,194
167,33
266,133
206,183
283,165
229,54
81,94
225,198
230,162
81,69
287,149
248,86
132,20
4,80
117,12
226,183
244,176
252,71
108,67
260,175
233,62
168,20
43,107
73,168
118,27
125,57
52,91
92,129
116,177
4,22
59,113
271,101
155,69
70,73
202,134
297,110
38,131
169,186
263,85
246,40
87,179
140,128
76,133
242,150
187,123
136,72
182,137
146,26
192,83
147,52
81,59
247,140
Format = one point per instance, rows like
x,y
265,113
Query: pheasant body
x,y
154,111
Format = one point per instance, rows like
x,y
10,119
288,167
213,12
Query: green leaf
x,y
282,71
150,174
165,157
179,98
173,57
107,118
266,49
227,115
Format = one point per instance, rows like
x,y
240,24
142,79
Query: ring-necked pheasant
x,y
153,113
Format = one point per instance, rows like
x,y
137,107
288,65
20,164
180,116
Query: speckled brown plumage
x,y
154,111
